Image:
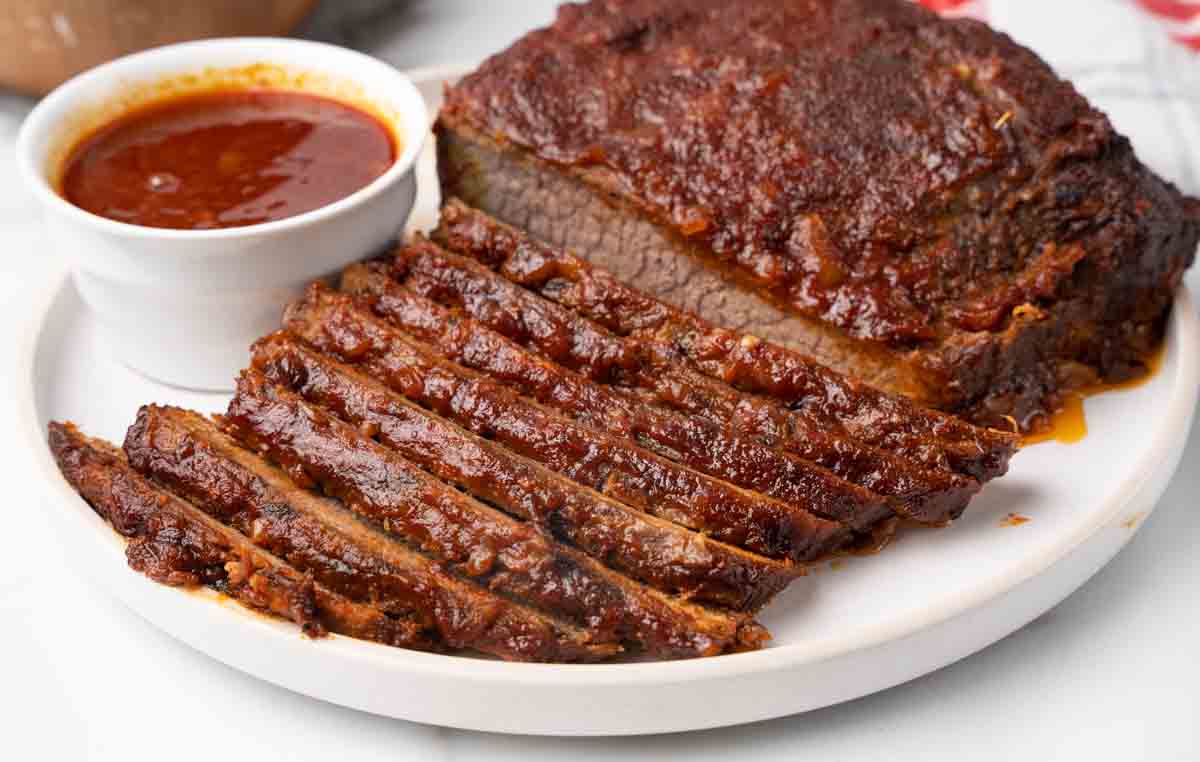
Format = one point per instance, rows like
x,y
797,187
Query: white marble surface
x,y
1109,674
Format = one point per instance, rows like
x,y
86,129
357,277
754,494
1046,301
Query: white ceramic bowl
x,y
183,306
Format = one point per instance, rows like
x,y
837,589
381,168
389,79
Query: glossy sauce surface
x,y
845,157
1069,424
227,159
823,397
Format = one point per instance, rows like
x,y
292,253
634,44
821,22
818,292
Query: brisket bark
x,y
173,542
562,336
657,552
188,454
335,324
692,441
509,556
914,200
815,393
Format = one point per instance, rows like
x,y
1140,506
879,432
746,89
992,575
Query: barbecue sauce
x,y
1069,424
226,159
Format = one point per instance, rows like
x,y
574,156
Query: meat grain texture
x,y
471,448
493,442
919,202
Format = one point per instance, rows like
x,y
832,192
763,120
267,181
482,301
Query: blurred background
x,y
44,42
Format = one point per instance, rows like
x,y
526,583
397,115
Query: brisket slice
x,y
657,552
575,342
916,201
335,324
822,397
509,556
173,542
690,440
188,454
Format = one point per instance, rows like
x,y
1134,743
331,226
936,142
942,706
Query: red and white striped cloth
x,y
973,8
1135,60
1179,18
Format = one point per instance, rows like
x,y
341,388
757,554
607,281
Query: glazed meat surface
x,y
189,454
338,325
689,440
173,542
623,362
918,201
817,397
658,552
507,555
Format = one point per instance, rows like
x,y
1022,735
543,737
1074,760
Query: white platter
x,y
932,598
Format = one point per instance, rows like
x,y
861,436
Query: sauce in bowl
x,y
226,159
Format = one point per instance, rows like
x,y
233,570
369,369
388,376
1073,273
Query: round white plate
x,y
855,627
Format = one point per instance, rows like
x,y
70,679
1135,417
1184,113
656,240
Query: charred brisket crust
x,y
923,190
812,392
555,205
657,552
564,337
338,325
173,542
508,556
187,453
691,441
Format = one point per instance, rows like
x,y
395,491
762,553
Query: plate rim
x,y
1183,337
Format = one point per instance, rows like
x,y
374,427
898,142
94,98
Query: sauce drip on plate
x,y
226,159
1069,424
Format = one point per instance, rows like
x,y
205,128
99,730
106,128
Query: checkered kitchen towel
x,y
1137,60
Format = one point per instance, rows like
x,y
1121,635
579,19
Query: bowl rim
x,y
414,118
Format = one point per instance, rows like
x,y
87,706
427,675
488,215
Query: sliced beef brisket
x,y
692,441
562,336
189,455
337,325
657,552
509,556
817,395
173,542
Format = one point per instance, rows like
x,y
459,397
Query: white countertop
x,y
1112,673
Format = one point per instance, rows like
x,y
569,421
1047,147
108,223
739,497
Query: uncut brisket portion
x,y
509,556
690,440
174,543
819,395
564,337
917,201
657,552
187,453
334,323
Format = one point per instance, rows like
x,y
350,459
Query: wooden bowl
x,y
44,42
